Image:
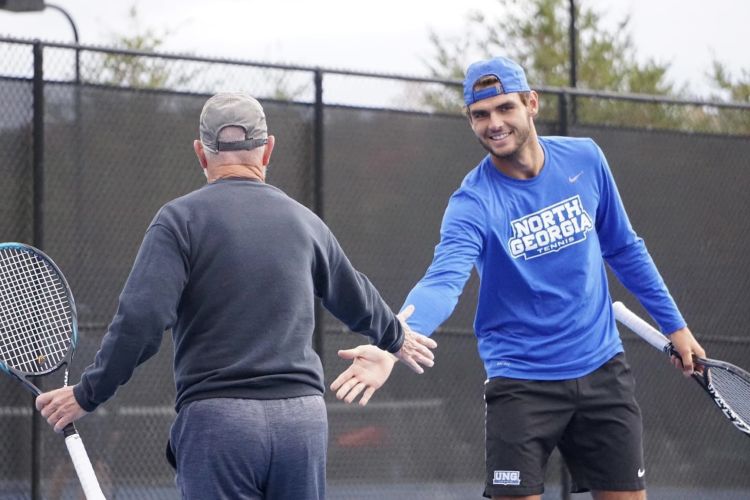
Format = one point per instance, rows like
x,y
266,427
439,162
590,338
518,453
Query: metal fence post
x,y
38,144
317,192
38,233
562,112
573,35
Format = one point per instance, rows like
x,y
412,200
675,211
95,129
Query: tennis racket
x,y
39,332
727,384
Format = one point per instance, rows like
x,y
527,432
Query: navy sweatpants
x,y
250,449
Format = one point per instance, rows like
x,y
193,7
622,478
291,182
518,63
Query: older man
x,y
233,269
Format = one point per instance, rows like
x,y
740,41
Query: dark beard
x,y
513,155
506,157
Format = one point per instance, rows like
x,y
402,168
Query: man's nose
x,y
496,121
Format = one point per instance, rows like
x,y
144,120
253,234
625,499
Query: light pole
x,y
38,6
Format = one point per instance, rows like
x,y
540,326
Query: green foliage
x,y
734,121
737,90
139,71
535,33
155,72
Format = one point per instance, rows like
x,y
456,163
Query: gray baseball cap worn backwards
x,y
233,109
511,76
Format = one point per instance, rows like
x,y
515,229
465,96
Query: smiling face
x,y
504,124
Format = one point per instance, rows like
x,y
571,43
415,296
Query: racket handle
x,y
82,464
641,327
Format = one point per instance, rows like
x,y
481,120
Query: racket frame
x,y
22,375
73,442
661,342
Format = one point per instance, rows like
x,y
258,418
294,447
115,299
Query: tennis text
x,y
550,229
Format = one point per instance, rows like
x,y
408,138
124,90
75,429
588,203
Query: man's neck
x,y
252,172
526,164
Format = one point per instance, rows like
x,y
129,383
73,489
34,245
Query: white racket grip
x,y
83,467
640,327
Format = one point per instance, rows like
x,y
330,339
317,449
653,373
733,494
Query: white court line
x,y
421,404
168,411
131,411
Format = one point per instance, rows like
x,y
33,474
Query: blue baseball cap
x,y
511,77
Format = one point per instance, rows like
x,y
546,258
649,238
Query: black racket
x,y
39,332
727,384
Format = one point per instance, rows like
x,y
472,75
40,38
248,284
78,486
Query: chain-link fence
x,y
94,141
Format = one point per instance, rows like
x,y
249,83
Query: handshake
x,y
371,366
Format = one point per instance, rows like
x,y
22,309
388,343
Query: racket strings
x,y
734,390
35,313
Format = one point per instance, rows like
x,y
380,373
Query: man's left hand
x,y
687,347
369,370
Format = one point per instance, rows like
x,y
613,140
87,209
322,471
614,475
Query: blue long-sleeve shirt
x,y
233,269
539,247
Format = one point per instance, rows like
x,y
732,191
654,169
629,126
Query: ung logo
x,y
550,229
507,477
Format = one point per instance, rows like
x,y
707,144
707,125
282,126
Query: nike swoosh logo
x,y
574,178
641,472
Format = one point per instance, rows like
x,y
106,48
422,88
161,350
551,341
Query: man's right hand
x,y
416,349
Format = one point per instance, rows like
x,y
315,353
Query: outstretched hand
x,y
371,366
369,370
416,349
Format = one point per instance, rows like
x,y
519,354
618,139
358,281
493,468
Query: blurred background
x,y
100,105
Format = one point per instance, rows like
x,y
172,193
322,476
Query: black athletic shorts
x,y
593,420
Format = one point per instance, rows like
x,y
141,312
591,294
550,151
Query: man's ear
x,y
200,153
268,150
533,103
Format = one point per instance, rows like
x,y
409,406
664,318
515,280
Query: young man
x,y
538,218
233,269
